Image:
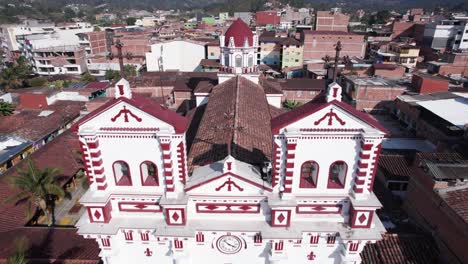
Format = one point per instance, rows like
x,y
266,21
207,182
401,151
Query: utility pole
x,y
338,48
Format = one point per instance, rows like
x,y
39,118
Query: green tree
x,y
6,109
130,70
291,104
37,82
21,245
111,75
9,79
87,77
130,21
68,14
38,188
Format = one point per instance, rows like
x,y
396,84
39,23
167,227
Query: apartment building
x,y
59,60
318,44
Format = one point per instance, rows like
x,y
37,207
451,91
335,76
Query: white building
x,y
446,34
177,55
254,187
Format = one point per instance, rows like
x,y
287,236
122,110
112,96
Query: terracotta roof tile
x,y
395,166
458,200
238,112
398,249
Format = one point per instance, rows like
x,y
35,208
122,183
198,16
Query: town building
x,y
170,196
176,55
435,117
436,200
446,35
319,44
270,50
291,53
423,83
331,21
451,63
58,60
371,93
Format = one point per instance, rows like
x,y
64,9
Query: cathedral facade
x,y
239,181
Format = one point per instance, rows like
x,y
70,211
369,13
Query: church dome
x,y
239,31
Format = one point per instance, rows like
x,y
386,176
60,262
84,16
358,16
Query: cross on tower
x,y
338,48
120,56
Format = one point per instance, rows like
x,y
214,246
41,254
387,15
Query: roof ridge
x,y
236,109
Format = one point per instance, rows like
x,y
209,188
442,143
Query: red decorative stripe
x,y
102,187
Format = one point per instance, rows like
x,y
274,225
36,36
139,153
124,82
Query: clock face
x,y
229,244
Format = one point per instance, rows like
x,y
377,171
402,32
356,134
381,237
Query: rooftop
x,y
454,111
401,248
238,115
457,199
373,81
395,166
331,33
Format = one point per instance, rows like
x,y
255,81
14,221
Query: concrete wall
x,y
176,55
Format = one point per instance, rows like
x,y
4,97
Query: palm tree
x,y
291,104
38,188
6,109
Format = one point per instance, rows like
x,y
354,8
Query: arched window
x,y
122,173
337,175
238,61
149,174
226,60
251,60
309,175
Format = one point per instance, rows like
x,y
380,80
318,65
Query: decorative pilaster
x,y
100,214
275,171
167,163
291,144
368,158
93,161
181,158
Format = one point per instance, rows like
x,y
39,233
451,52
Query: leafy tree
x,y
291,104
131,21
37,82
68,14
87,77
38,188
9,79
6,108
111,75
130,70
97,29
19,254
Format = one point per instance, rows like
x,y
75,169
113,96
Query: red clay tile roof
x,y
48,245
458,201
238,112
27,124
399,249
97,85
395,166
147,105
315,105
239,31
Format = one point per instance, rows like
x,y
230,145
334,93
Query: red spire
x,y
239,30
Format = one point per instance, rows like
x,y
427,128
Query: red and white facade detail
x,y
316,204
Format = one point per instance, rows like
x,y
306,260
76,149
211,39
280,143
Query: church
x,y
237,180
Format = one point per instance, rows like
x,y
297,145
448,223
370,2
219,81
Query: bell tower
x,y
238,53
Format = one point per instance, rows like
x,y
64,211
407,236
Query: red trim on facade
x,y
276,213
139,207
228,174
279,246
374,171
210,208
314,239
304,183
102,187
318,208
180,213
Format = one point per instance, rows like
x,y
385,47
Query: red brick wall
x,y
334,22
402,29
451,69
425,85
377,97
299,96
97,41
317,46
